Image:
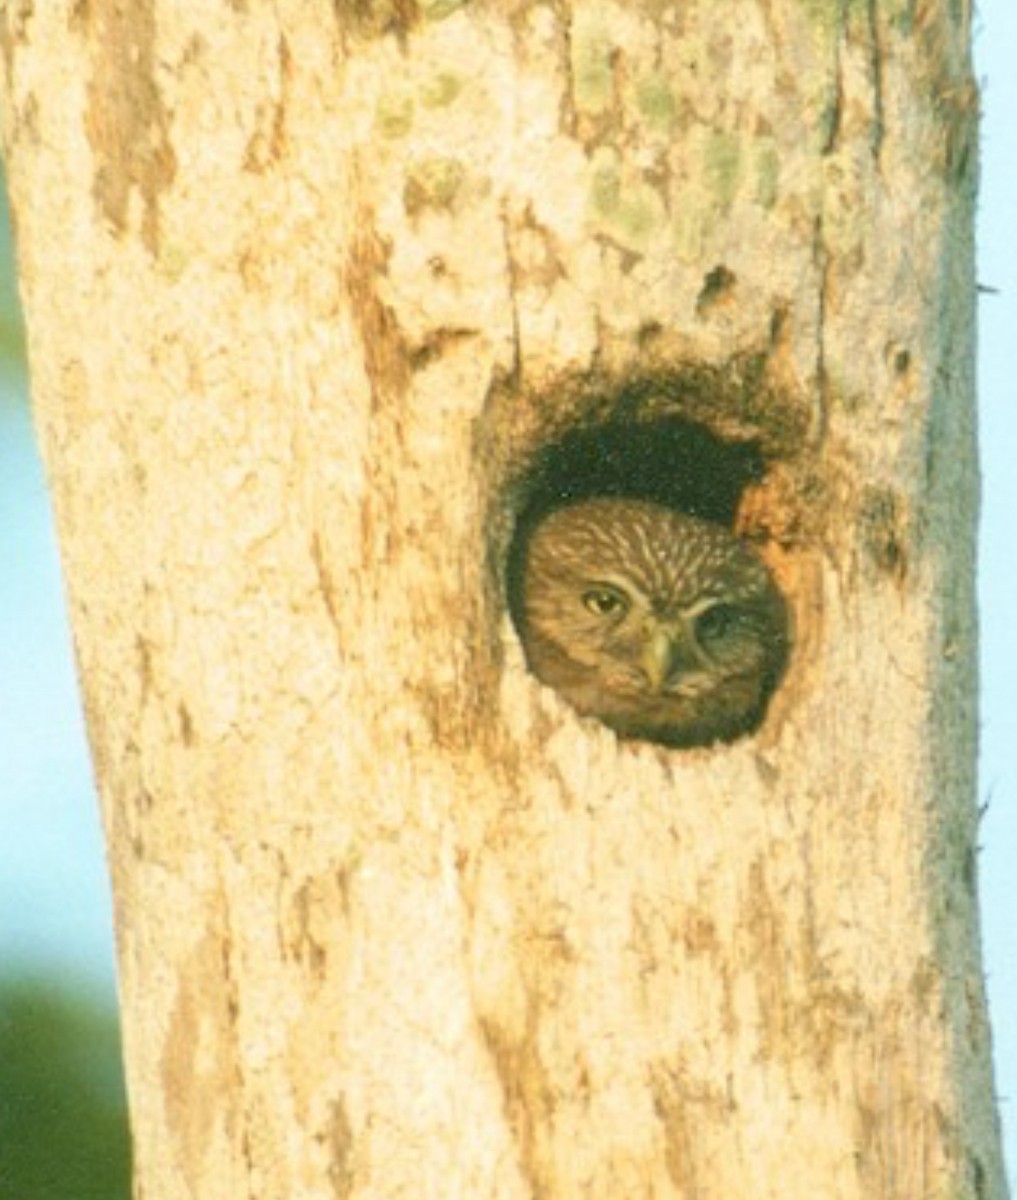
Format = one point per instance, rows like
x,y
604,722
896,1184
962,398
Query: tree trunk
x,y
324,303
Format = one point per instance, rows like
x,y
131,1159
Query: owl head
x,y
664,626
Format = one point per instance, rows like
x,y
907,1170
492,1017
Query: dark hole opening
x,y
671,461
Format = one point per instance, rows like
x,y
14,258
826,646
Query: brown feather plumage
x,y
663,626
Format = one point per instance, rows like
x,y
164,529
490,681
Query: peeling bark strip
x,y
376,18
328,306
127,123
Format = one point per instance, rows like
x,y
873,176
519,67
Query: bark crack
x,y
821,260
516,374
327,589
567,113
508,1060
832,117
876,67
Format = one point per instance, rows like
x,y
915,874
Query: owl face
x,y
663,626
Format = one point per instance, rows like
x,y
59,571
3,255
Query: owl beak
x,y
659,657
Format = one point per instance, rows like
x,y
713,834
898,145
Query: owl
x,y
663,626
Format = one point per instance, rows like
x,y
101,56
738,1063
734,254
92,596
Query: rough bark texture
x,y
309,288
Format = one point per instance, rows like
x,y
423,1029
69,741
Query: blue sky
x,y
54,906
54,903
995,57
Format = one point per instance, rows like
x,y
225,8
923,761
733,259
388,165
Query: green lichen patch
x,y
656,102
393,117
605,186
722,165
626,209
766,164
689,230
826,18
441,89
592,69
438,10
173,260
433,183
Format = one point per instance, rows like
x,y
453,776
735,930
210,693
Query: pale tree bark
x,y
314,293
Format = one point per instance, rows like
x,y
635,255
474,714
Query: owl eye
x,y
716,622
605,601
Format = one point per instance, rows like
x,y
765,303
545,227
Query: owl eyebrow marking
x,y
646,558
